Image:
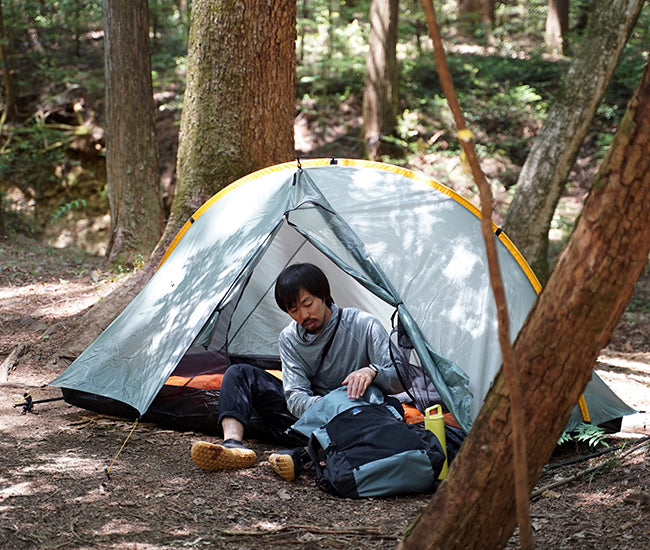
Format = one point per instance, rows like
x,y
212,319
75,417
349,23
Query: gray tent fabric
x,y
387,238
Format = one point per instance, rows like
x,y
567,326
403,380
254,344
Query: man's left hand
x,y
358,381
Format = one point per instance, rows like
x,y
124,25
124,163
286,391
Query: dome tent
x,y
388,240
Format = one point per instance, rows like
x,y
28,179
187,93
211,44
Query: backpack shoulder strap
x,y
328,345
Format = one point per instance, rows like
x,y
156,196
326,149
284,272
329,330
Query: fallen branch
x,y
565,481
596,454
335,531
371,531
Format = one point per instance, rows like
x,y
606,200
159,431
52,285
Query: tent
x,y
391,242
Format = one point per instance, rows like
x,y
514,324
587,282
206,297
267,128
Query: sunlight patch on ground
x,y
54,300
23,489
634,365
118,526
66,463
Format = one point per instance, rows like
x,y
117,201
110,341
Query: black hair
x,y
301,276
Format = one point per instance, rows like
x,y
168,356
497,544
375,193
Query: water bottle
x,y
435,422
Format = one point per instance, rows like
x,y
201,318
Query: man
x,y
324,347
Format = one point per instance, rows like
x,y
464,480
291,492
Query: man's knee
x,y
237,373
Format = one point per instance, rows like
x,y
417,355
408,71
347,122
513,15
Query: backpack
x,y
369,450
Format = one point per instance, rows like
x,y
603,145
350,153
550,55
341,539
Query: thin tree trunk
x,y
380,95
544,174
9,110
555,350
557,24
132,169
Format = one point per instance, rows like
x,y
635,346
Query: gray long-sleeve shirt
x,y
360,340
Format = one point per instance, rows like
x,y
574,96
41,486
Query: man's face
x,y
310,312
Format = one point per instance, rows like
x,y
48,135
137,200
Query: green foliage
x,y
331,56
77,204
603,143
501,98
48,30
627,75
30,156
585,433
640,302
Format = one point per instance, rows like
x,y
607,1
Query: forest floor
x,y
54,492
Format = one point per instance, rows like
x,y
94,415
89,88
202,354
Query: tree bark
x,y
557,24
380,96
239,101
474,12
544,174
555,350
132,170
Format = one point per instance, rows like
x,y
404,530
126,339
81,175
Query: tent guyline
x,y
107,469
392,242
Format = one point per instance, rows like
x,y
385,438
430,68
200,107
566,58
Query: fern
x,y
592,435
587,433
75,204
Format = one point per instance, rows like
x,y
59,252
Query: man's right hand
x,y
358,381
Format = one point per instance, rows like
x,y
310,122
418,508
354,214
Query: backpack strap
x,y
313,448
328,345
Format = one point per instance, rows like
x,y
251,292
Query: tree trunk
x,y
184,12
555,350
472,13
380,95
132,169
544,174
9,108
557,24
240,98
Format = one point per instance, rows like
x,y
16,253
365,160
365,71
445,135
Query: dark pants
x,y
256,399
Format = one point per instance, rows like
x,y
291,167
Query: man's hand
x,y
358,381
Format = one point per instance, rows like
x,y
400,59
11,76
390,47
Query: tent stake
x,y
28,403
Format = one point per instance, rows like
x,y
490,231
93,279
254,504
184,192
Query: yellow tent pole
x,y
583,408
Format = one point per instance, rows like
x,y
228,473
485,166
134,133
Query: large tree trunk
x,y
556,349
544,174
240,98
557,24
132,170
237,117
380,96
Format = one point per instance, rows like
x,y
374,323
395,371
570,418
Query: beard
x,y
312,325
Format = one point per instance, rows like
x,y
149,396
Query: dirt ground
x,y
55,492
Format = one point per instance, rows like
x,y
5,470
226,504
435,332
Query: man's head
x,y
303,291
